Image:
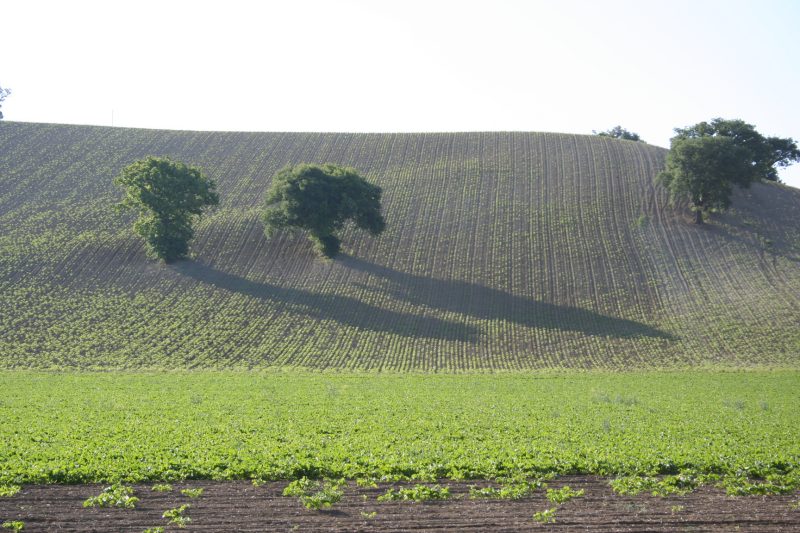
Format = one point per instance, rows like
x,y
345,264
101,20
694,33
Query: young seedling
x,y
417,493
162,487
177,515
548,516
14,525
192,493
6,491
158,529
116,495
315,495
563,495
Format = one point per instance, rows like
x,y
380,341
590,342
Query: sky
x,y
382,66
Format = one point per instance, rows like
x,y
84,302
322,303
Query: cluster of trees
x,y
169,196
708,159
618,132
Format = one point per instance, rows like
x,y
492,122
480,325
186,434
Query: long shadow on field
x,y
491,304
342,309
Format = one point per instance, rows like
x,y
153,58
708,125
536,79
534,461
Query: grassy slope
x,y
504,251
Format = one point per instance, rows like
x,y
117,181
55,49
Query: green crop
x,y
116,495
178,516
508,428
563,495
417,493
6,491
548,516
315,494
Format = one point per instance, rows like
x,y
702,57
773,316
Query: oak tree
x,y
320,199
168,196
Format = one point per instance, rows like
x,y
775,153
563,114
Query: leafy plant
x,y
116,495
178,516
510,490
6,491
369,516
14,525
161,487
548,516
315,494
192,493
157,529
417,493
563,495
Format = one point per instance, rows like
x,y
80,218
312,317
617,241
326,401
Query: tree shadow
x,y
342,309
492,304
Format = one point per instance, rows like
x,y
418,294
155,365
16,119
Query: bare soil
x,y
239,506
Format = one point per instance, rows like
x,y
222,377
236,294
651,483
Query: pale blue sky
x,y
566,66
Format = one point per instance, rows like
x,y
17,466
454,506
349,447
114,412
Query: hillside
x,y
503,251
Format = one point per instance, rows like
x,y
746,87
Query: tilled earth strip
x,y
240,506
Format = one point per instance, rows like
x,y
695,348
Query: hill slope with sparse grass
x,y
503,251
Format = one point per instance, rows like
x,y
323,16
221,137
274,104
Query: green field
x,y
282,425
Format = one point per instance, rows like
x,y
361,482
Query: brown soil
x,y
239,506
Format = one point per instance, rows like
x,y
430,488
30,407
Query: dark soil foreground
x,y
239,506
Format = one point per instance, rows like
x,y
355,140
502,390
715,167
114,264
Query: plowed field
x,y
504,251
239,506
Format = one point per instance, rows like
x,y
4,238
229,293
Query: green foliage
x,y
682,483
161,487
417,493
512,489
116,495
706,160
157,529
178,516
704,171
14,525
320,199
192,493
563,495
3,94
548,516
6,491
369,516
763,154
314,494
618,132
168,196
76,428
740,485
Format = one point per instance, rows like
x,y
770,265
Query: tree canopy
x,y
319,199
706,160
764,153
168,196
618,132
704,170
3,94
